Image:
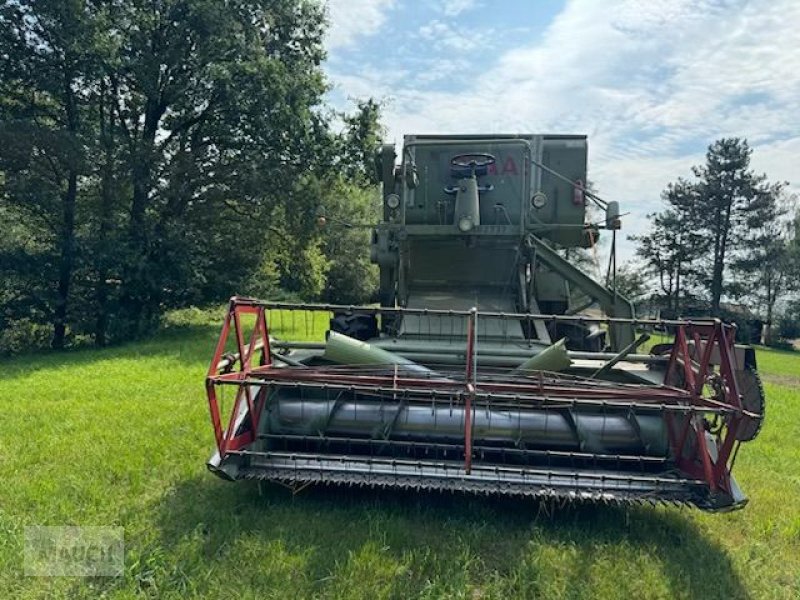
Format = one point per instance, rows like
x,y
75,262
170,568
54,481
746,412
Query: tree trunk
x,y
66,262
772,296
716,272
138,293
106,199
69,198
720,246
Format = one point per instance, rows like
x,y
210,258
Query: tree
x,y
351,277
670,250
767,260
215,107
631,282
362,137
729,194
157,153
713,223
789,323
45,61
333,263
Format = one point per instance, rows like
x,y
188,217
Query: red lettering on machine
x,y
509,167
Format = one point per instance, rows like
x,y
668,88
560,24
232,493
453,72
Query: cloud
x,y
352,19
652,82
448,37
780,160
453,8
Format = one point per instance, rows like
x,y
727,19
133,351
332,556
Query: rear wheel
x,y
579,337
753,400
358,326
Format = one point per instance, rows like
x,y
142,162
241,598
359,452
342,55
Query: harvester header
x,y
491,363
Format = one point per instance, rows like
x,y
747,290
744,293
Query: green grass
x,y
120,437
774,363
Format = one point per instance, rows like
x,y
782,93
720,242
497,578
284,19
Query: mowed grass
x,y
120,437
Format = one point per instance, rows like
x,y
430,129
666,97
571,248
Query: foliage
x,y
42,119
363,135
352,279
768,259
631,283
722,234
160,154
672,246
789,323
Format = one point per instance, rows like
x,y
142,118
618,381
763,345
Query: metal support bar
x,y
620,356
471,379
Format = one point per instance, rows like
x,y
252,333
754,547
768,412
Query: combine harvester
x,y
481,370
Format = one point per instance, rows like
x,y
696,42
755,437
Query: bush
x,y
789,327
24,335
351,277
781,344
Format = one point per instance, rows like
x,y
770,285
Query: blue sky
x,y
652,82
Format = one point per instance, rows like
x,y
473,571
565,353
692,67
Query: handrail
x,y
244,301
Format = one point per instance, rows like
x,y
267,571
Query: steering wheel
x,y
465,165
472,160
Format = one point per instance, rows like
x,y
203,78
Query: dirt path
x,y
786,380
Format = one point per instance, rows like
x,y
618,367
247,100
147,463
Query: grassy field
x,y
120,437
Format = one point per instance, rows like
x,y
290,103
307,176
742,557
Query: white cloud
x,y
453,8
351,19
449,37
780,160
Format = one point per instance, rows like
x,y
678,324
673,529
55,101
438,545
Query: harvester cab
x,y
493,362
496,222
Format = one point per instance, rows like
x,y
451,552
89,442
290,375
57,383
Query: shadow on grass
x,y
190,343
330,523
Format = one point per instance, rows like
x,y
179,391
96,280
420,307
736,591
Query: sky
x,y
651,82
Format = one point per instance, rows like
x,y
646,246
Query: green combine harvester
x,y
493,363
